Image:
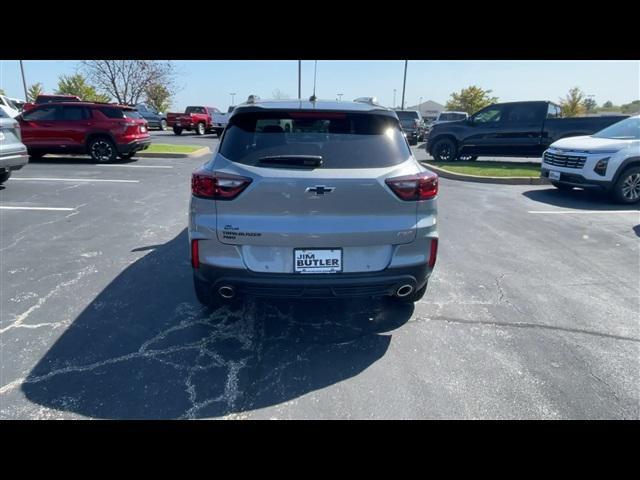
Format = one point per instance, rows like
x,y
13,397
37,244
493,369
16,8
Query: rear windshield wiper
x,y
293,160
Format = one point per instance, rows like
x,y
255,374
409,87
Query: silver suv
x,y
312,199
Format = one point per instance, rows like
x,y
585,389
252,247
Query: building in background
x,y
429,110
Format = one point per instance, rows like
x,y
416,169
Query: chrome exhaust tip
x,y
404,290
227,292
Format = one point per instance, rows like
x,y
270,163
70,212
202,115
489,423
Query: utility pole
x,y
404,84
299,78
24,83
394,98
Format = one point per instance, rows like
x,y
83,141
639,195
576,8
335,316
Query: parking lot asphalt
x,y
532,311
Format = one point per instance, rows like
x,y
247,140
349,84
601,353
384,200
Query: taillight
x,y
217,185
195,254
422,186
433,252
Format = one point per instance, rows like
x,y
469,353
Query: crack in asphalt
x,y
526,325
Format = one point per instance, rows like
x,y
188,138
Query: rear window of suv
x,y
342,140
119,113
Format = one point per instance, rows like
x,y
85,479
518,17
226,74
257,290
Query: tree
x,y
77,85
590,105
2,92
631,108
33,91
280,95
128,80
573,104
607,104
470,100
158,97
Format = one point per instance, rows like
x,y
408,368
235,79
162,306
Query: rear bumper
x,y
14,160
577,180
134,146
381,283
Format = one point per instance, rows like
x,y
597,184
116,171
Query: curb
x,y
479,179
197,153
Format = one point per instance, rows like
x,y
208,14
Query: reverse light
x,y
195,254
601,166
423,186
217,185
433,252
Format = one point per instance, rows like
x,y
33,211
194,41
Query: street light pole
x,y
24,83
404,83
233,96
340,95
394,98
299,78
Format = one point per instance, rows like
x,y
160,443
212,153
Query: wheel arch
x,y
626,164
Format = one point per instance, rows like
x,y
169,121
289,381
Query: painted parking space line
x,y
45,209
579,212
87,180
132,166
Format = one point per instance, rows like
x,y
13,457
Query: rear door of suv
x,y
317,181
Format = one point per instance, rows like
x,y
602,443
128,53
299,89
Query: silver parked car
x,y
13,153
312,199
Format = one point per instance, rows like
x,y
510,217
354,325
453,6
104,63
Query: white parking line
x,y
572,212
89,180
46,209
132,166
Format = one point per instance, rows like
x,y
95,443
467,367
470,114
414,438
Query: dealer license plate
x,y
317,261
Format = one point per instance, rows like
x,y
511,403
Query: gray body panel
x,y
259,230
13,153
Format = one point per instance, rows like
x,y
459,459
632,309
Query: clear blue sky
x,y
210,82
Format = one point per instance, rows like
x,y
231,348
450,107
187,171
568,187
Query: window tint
x,y
343,140
489,115
628,129
111,112
523,114
71,114
43,113
195,110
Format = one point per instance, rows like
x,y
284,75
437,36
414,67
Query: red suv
x,y
104,131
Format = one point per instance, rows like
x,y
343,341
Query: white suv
x,y
608,160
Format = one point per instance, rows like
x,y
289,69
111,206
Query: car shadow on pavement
x,y
144,348
576,198
636,229
76,160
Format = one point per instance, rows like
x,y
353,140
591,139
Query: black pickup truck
x,y
518,129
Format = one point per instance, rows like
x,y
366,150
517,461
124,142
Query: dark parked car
x,y
412,125
104,131
521,129
154,119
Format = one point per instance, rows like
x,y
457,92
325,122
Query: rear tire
x,y
201,129
177,130
627,188
561,186
102,150
4,176
445,150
